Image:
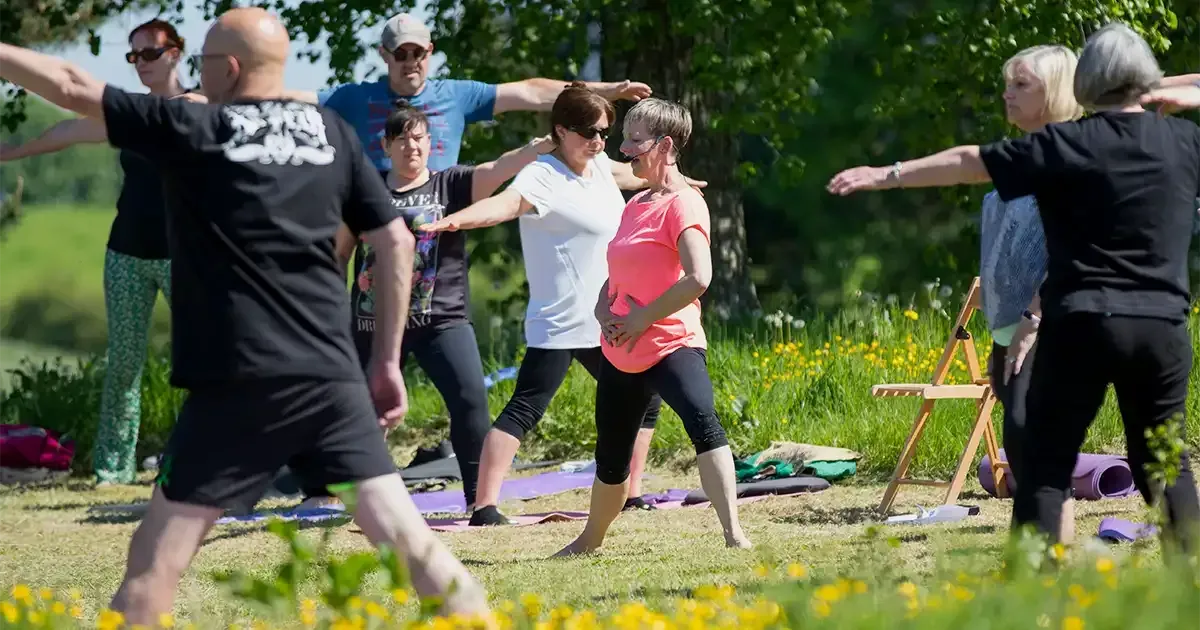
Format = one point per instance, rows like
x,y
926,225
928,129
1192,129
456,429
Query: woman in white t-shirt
x,y
569,203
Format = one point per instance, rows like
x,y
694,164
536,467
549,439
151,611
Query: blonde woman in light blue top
x,y
1038,92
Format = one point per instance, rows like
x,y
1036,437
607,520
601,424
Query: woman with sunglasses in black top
x,y
137,262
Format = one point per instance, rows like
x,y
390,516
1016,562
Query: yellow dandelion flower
x,y
109,620
762,570
77,611
10,612
165,620
375,611
58,608
354,603
911,314
1072,623
821,608
400,596
907,589
21,593
859,587
35,618
1104,564
1058,551
46,594
796,571
828,593
75,594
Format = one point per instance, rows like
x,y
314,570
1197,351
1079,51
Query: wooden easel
x,y
979,389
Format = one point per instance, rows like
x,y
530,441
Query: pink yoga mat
x,y
462,524
1095,477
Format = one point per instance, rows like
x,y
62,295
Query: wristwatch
x,y
895,172
1028,314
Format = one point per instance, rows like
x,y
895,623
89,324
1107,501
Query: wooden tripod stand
x,y
979,389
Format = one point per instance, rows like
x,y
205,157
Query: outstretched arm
x,y
60,82
490,175
960,165
506,206
60,136
539,94
1175,98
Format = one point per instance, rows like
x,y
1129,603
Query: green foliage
x,y
66,398
79,174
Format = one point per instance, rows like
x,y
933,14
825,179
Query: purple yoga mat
x,y
1095,477
1120,530
452,501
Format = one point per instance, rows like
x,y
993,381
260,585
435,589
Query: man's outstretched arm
x,y
56,80
539,94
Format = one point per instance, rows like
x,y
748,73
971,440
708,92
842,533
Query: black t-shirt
x,y
140,227
439,283
256,192
1117,194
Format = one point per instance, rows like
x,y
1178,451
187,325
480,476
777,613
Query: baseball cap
x,y
402,29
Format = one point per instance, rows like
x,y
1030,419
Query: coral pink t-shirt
x,y
643,262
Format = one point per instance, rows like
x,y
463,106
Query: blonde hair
x,y
1054,66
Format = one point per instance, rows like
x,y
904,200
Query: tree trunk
x,y
664,61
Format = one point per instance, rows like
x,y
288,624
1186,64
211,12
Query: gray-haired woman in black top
x,y
1116,192
137,262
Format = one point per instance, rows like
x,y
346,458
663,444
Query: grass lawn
x,y
13,352
48,538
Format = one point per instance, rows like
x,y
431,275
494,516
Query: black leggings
x,y
449,355
1012,396
681,379
1148,361
542,373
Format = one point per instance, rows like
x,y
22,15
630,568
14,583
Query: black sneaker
x,y
424,455
637,503
488,515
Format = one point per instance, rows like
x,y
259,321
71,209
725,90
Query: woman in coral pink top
x,y
659,265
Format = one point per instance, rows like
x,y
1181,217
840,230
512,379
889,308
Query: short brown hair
x,y
579,106
162,26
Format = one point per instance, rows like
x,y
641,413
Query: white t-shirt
x,y
565,240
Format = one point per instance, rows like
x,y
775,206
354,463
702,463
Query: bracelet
x,y
1028,314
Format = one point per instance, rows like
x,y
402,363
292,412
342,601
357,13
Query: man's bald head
x,y
257,43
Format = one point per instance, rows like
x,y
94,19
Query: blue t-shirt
x,y
450,105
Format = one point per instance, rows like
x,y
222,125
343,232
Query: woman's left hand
x,y
1018,349
628,328
859,178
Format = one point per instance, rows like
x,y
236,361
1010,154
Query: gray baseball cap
x,y
404,29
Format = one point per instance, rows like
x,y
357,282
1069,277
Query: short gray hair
x,y
1116,68
662,118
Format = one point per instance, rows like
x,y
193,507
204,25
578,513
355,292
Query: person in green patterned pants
x,y
137,262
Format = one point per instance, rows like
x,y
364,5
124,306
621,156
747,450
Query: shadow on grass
x,y
835,516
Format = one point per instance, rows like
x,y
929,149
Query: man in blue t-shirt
x,y
450,104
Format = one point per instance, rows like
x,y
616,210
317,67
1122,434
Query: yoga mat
x,y
523,520
311,515
1095,477
784,486
1120,530
545,484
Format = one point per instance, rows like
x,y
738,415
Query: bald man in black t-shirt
x,y
256,187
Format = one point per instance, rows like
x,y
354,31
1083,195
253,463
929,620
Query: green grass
x,y
48,538
52,279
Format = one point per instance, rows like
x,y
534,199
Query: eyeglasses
x,y
590,133
404,54
146,54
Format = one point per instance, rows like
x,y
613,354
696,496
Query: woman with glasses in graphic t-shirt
x,y
137,261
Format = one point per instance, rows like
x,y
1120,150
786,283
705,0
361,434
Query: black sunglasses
x,y
590,133
146,54
403,54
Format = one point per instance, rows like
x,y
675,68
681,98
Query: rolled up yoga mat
x,y
1095,477
786,485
